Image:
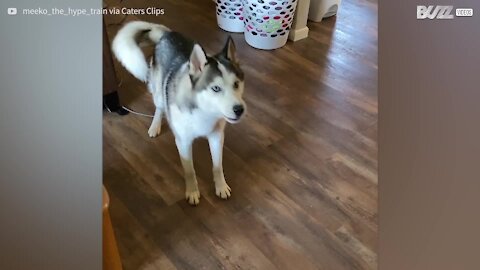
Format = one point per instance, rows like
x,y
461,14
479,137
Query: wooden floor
x,y
302,164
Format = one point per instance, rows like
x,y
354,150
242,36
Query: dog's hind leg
x,y
192,194
215,141
155,87
156,126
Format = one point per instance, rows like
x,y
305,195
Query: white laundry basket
x,y
268,22
230,15
320,9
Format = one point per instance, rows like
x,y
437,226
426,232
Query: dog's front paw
x,y
154,130
223,190
193,197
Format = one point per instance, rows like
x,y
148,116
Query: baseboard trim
x,y
298,34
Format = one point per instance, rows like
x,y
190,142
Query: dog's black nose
x,y
238,110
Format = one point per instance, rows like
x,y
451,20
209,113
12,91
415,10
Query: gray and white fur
x,y
196,93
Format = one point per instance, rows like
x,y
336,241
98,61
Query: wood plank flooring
x,y
302,165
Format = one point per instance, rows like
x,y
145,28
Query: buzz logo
x,y
435,12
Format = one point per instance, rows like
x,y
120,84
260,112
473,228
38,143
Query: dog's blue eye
x,y
216,88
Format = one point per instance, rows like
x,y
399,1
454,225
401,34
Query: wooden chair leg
x,y
111,256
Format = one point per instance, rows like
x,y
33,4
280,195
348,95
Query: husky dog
x,y
197,93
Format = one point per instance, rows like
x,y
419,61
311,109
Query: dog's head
x,y
218,82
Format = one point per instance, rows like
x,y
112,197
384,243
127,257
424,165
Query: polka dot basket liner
x,y
268,22
230,15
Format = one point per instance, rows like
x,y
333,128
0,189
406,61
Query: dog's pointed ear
x,y
229,51
198,60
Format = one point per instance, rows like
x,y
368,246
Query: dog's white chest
x,y
191,124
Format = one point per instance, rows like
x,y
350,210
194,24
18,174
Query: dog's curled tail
x,y
127,42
